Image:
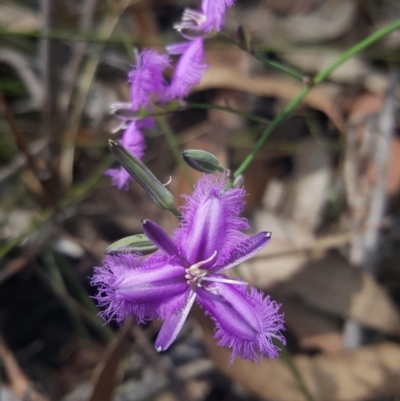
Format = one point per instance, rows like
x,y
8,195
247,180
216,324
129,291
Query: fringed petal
x,y
211,222
188,70
245,321
148,290
146,78
244,251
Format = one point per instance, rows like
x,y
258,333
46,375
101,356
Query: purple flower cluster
x,y
190,266
147,83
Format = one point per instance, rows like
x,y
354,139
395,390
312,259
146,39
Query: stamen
x,y
224,280
197,265
193,15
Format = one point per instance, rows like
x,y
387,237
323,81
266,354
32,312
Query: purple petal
x,y
245,250
214,11
245,321
211,222
173,323
149,290
147,78
159,238
188,71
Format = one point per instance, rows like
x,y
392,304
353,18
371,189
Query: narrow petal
x,y
159,238
244,250
173,323
177,48
211,222
149,289
245,321
188,71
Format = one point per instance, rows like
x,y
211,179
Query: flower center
x,y
195,275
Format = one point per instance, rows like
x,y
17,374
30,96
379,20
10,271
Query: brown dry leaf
x,y
332,287
320,98
364,374
327,342
373,307
363,108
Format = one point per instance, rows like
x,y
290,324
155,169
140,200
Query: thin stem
x,y
278,66
287,359
173,144
274,64
249,116
357,48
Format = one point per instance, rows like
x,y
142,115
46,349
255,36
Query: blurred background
x,y
326,183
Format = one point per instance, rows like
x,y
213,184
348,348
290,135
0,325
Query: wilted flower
x,y
190,266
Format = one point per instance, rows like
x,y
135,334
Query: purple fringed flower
x,y
190,266
133,140
146,78
188,70
199,24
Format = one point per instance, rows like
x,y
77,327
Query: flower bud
x,y
158,193
132,244
202,161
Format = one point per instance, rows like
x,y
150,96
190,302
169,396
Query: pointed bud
x,y
132,244
158,193
202,161
245,40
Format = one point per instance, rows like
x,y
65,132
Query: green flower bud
x,y
202,161
134,243
145,178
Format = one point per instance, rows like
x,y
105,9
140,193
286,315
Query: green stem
x,y
274,64
278,66
357,48
173,144
249,116
287,359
